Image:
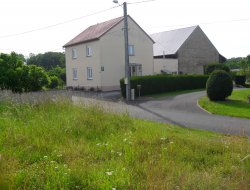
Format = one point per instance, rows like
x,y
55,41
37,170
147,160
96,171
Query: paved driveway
x,y
180,110
183,110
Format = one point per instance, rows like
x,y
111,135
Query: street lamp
x,y
127,70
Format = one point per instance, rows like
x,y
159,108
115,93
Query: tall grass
x,y
56,145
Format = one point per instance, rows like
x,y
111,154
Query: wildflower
x,y
112,151
56,167
45,157
109,173
171,142
65,165
59,155
98,144
113,188
163,138
52,162
124,140
119,153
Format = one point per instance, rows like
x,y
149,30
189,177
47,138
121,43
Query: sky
x,y
39,26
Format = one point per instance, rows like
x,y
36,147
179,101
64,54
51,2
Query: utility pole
x,y
127,70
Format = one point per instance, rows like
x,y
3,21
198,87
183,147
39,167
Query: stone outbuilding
x,y
183,51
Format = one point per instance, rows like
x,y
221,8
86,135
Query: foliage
x,y
59,72
219,85
47,60
18,77
61,146
216,66
240,79
237,105
155,84
235,63
54,82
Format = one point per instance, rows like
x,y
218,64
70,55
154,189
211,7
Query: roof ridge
x,y
195,26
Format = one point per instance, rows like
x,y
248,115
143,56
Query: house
x,y
95,58
183,51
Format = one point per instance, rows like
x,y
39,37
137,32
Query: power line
x,y
60,23
138,2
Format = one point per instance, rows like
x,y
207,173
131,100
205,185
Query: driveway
x,y
179,110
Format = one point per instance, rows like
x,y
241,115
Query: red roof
x,y
94,32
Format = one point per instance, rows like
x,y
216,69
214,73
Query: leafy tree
x,y
18,77
47,60
54,82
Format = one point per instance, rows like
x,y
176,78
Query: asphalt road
x,y
180,110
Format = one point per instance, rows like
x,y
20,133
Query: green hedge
x,y
155,84
215,66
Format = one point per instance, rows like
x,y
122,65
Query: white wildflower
x,y
119,153
45,157
163,138
109,173
124,140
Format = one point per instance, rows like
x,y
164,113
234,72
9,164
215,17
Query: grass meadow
x,y
58,145
236,105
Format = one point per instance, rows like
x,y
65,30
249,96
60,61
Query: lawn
x,y
236,105
56,145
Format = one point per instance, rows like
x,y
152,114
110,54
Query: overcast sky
x,y
225,22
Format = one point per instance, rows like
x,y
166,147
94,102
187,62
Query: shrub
x,y
219,85
54,82
240,79
154,84
215,66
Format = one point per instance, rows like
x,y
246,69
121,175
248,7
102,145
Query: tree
x,y
216,66
18,77
47,60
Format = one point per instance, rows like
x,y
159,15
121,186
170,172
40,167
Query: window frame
x,y
74,72
89,73
131,50
89,52
74,53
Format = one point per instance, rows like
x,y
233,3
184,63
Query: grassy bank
x,y
61,146
236,105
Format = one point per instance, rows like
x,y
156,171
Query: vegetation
x,y
18,77
155,84
216,66
47,60
56,145
236,105
219,85
240,80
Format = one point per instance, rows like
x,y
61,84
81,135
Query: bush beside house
x,y
154,84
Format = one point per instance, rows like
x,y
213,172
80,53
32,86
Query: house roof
x,y
169,42
96,31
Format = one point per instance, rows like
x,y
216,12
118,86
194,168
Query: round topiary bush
x,y
219,85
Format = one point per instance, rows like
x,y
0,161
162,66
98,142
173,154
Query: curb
x,y
197,103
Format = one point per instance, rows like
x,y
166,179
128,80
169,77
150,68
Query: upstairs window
x,y
89,73
131,50
74,74
88,51
74,56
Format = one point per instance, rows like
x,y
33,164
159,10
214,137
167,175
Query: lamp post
x,y
127,70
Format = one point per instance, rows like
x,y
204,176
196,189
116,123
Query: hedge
x,y
155,84
215,66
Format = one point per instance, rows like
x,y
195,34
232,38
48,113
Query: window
x,y
74,74
74,56
88,51
136,70
131,50
89,73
